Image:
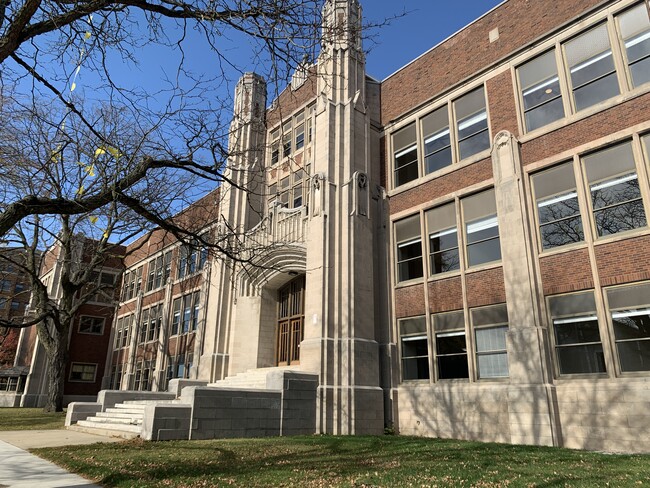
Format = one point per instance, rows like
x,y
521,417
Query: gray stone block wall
x,y
166,422
81,411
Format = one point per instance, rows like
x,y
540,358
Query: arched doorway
x,y
291,321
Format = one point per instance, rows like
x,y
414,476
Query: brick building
x,y
89,336
459,250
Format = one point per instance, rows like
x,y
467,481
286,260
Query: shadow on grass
x,y
347,461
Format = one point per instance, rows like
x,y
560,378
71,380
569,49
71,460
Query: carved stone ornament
x,y
315,182
363,181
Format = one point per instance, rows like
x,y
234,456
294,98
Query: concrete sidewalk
x,y
19,468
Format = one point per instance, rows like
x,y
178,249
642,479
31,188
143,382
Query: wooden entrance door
x,y
291,320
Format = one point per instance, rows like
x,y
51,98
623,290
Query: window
x,y
472,124
591,67
451,347
405,155
558,211
481,228
192,258
132,283
143,375
443,239
437,140
91,325
286,140
284,191
630,312
5,286
540,91
15,305
615,194
275,146
577,337
635,31
298,177
159,270
176,315
490,328
83,372
116,377
300,136
415,349
3,302
178,367
409,248
123,331
20,287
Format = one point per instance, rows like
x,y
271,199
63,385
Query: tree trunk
x,y
56,362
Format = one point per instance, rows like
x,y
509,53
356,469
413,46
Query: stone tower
x,y
340,340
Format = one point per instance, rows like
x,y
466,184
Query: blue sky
x,y
426,23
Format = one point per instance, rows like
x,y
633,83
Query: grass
x,y
30,419
326,461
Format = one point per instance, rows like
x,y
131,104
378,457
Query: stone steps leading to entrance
x,y
122,420
253,379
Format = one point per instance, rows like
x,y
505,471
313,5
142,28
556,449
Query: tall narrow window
x,y
415,349
437,140
558,210
409,248
300,131
472,124
615,193
577,338
443,239
451,345
540,91
405,155
284,191
630,311
176,316
591,66
635,31
275,146
481,228
490,328
286,140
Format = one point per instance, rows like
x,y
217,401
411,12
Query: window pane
x,y
406,166
581,359
471,116
437,141
576,330
540,89
631,324
493,365
557,206
593,76
481,228
635,30
634,355
491,339
451,343
415,369
545,114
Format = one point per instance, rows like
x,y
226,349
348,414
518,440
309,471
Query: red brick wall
x,y
519,22
445,295
485,287
566,272
439,187
289,101
624,261
409,301
501,103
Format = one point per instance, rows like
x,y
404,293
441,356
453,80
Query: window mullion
x,y
620,65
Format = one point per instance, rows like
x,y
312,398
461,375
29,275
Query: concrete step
x,y
100,430
125,411
120,415
113,420
132,429
143,403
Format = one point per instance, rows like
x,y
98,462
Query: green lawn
x,y
389,461
30,419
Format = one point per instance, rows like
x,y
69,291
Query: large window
x,y
123,331
91,325
150,323
185,313
490,328
540,91
405,155
409,248
630,312
83,372
415,350
451,345
578,345
591,67
558,210
159,270
472,124
437,140
443,239
615,194
481,228
131,284
635,32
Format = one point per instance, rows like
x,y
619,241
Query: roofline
x,y
444,40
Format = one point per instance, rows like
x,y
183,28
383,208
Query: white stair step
x,y
111,420
128,411
98,430
120,415
135,429
143,403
